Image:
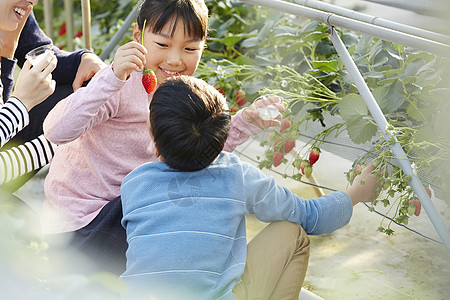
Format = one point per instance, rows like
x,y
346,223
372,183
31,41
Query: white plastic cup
x,y
38,54
268,112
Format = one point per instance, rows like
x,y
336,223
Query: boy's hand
x,y
363,186
128,58
251,115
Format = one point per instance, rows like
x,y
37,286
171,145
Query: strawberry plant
x,y
270,53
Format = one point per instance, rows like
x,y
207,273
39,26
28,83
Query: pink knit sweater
x,y
103,135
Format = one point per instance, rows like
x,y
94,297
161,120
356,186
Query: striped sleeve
x,y
13,118
25,158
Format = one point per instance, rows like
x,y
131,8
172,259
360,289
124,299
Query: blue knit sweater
x,y
186,230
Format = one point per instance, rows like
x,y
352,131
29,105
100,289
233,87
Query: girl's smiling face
x,y
171,52
13,11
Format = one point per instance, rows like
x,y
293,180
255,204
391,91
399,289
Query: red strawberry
x,y
277,157
217,86
233,109
240,98
314,155
285,125
149,80
288,146
418,206
62,29
79,34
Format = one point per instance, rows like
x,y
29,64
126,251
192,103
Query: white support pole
x,y
68,8
355,15
48,17
119,34
357,26
396,148
86,14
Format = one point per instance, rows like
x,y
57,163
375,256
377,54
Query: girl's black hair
x,y
158,13
189,121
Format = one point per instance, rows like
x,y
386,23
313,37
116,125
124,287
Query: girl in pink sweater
x,y
102,129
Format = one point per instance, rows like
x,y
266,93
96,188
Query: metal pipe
x,y
355,25
86,15
68,9
424,7
396,148
48,17
119,34
323,6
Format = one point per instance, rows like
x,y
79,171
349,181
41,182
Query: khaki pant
x,y
277,259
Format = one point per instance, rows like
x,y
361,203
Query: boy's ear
x,y
156,151
136,33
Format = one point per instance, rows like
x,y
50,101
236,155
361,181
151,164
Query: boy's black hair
x,y
158,13
189,121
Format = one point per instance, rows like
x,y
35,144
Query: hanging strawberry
x,y
240,98
277,159
314,155
285,125
149,80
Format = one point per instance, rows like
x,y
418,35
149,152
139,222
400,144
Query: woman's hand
x,y
89,65
251,115
34,83
128,58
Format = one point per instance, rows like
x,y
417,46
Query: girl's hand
x,y
251,115
128,58
34,83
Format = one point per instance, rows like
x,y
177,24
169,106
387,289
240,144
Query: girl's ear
x,y
136,33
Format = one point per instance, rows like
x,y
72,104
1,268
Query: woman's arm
x,y
13,118
25,158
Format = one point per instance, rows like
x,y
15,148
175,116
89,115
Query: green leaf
x,y
315,37
362,131
352,107
415,113
330,66
425,134
250,42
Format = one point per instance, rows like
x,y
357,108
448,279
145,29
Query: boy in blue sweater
x,y
185,215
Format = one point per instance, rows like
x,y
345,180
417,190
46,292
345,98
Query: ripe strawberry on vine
x,y
149,80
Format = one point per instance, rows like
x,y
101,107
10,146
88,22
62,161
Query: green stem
x,y
142,37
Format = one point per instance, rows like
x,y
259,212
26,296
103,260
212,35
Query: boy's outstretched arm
x,y
363,188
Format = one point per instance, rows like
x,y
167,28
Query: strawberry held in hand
x,y
149,81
